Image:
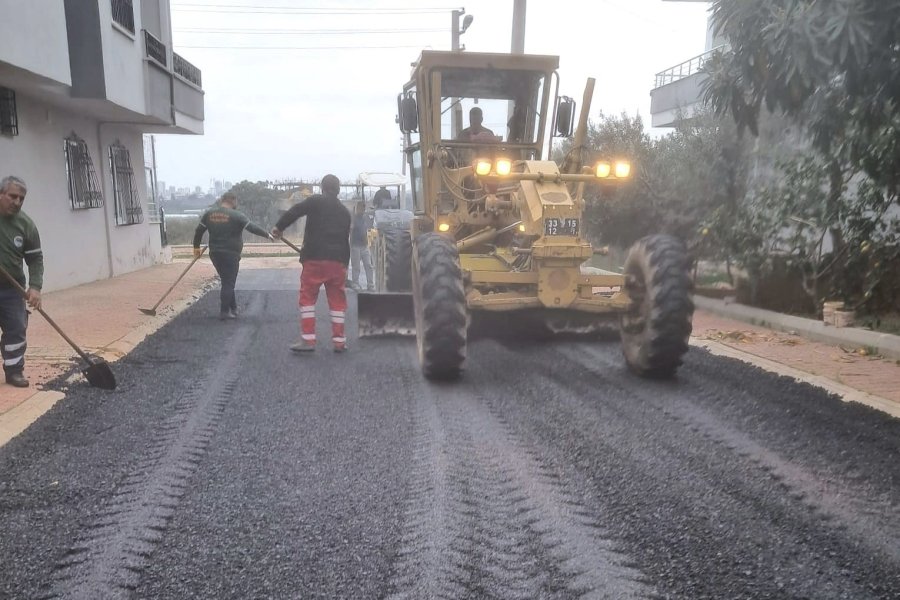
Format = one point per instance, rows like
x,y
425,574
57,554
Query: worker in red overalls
x,y
324,255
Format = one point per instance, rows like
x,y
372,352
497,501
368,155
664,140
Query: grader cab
x,y
499,227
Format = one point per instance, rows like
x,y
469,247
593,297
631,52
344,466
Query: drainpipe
x,y
104,167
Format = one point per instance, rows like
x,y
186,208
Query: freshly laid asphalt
x,y
226,467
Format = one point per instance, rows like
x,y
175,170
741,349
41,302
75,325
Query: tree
x,y
831,64
257,201
832,67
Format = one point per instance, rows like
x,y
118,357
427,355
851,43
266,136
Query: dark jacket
x,y
327,233
226,227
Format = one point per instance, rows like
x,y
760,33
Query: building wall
x,y
34,38
76,243
123,57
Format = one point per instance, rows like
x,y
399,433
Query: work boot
x,y
17,380
370,288
340,348
227,315
233,313
303,347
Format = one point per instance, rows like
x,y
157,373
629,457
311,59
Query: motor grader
x,y
499,227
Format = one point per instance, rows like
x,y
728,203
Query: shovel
x,y
152,311
98,373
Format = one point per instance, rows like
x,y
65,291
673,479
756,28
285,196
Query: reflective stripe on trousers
x,y
314,275
13,324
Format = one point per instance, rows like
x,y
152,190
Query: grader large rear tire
x,y
397,260
439,302
657,325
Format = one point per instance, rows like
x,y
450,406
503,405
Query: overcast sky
x,y
290,110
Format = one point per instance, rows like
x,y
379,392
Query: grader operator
x,y
499,228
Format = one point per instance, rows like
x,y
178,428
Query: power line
x,y
305,31
304,47
254,9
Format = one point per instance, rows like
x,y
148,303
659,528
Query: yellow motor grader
x,y
498,227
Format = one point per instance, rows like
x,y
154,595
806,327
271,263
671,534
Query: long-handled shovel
x,y
98,373
291,244
152,311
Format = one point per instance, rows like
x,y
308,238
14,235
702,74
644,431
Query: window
x,y
9,120
510,102
84,189
128,203
123,13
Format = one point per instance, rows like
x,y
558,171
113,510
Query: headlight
x,y
443,227
503,166
482,166
603,169
623,169
522,227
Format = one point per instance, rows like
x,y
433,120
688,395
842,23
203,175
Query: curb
x,y
885,344
846,393
18,419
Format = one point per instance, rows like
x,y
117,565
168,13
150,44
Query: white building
x,y
678,90
81,81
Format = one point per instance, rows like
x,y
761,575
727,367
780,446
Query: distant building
x,y
81,81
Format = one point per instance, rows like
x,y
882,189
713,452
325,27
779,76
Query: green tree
x,y
257,201
832,67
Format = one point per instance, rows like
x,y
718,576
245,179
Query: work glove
x,y
197,252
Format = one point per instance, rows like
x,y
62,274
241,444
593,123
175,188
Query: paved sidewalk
x,y
103,318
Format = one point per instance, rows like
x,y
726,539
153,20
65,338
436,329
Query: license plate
x,y
561,227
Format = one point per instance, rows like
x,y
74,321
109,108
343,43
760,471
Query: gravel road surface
x,y
226,467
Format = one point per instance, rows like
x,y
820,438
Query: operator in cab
x,y
476,132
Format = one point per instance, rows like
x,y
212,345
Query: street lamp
x,y
457,30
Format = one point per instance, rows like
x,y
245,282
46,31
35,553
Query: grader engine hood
x,y
554,217
541,266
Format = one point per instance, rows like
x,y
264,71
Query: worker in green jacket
x,y
226,226
19,243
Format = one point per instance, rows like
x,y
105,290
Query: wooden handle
x,y
180,277
24,293
291,244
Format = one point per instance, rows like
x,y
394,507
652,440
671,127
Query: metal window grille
x,y
84,188
186,70
128,202
9,119
123,13
154,48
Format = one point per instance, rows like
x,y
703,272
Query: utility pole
x,y
518,28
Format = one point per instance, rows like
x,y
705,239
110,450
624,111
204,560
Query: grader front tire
x,y
440,307
657,326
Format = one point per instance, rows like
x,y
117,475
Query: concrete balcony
x,y
678,91
187,95
34,55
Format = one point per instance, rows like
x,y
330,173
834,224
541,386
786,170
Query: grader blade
x,y
385,314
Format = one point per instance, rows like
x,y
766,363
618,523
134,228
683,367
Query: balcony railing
x,y
154,48
123,13
186,70
685,69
